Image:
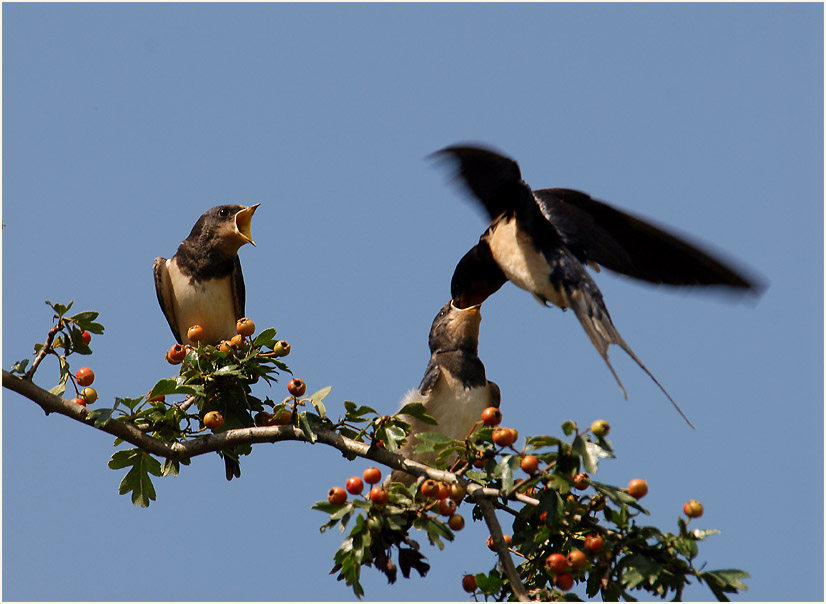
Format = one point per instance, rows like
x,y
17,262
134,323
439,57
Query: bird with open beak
x,y
202,284
454,389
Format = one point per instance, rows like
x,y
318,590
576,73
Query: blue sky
x,y
124,122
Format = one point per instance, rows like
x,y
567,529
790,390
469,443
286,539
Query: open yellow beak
x,y
475,309
243,221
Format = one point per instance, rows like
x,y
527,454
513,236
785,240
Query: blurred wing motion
x,y
542,240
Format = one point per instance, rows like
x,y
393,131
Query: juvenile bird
x,y
454,389
202,284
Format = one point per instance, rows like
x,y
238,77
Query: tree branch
x,y
481,498
177,451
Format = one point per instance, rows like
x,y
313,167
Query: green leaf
x,y
316,399
392,436
356,413
430,442
418,411
639,569
86,320
539,442
725,581
60,309
304,424
101,417
617,496
687,547
20,366
59,389
169,467
489,584
265,338
170,386
137,480
505,469
569,427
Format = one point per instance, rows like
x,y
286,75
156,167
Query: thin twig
x,y
47,348
492,521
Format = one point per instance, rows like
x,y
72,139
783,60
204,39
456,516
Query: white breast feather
x,y
522,264
203,304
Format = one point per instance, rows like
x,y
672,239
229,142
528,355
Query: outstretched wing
x,y
596,232
495,180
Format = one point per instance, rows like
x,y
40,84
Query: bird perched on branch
x,y
542,240
202,284
454,389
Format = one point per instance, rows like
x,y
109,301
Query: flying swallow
x,y
454,389
542,240
202,284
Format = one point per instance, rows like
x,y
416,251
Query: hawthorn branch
x,y
481,499
177,451
47,348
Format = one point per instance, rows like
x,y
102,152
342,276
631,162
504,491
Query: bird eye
x,y
223,212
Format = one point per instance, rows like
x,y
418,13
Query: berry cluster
x,y
355,485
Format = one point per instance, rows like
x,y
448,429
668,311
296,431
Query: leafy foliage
x,y
552,512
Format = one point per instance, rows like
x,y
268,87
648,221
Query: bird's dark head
x,y
224,227
455,329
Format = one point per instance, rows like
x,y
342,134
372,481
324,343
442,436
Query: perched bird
x,y
202,284
542,240
454,389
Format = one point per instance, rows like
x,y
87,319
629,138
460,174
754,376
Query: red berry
x,y
492,547
456,522
556,563
89,395
262,418
577,559
372,475
693,509
337,496
491,416
85,376
594,543
354,485
581,481
447,507
245,327
213,420
87,337
564,581
530,464
225,347
637,488
600,428
195,333
283,418
444,490
237,341
469,583
430,488
457,492
542,517
176,354
297,387
505,437
379,495
79,401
